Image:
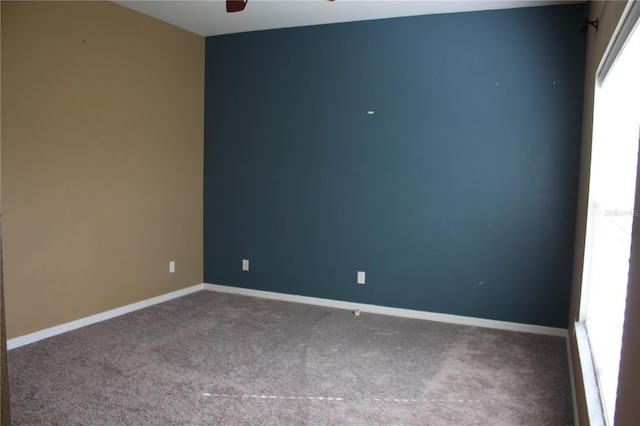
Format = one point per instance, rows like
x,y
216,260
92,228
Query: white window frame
x,y
621,35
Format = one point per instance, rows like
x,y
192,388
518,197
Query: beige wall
x,y
102,151
608,14
4,372
627,405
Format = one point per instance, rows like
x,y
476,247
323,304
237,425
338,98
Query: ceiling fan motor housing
x,y
236,5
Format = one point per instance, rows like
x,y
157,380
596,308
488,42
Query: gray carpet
x,y
212,358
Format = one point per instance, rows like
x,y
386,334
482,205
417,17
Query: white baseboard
x,y
398,312
82,322
329,303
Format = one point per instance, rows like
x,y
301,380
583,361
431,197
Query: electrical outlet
x,y
361,277
172,266
245,264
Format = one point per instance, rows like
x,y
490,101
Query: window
x,y
614,161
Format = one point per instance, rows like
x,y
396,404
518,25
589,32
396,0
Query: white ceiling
x,y
210,17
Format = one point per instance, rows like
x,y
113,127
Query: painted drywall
x,y
5,406
439,154
608,15
627,408
102,139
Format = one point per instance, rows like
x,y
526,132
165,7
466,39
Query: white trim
x,y
572,382
590,382
397,312
16,342
626,25
82,322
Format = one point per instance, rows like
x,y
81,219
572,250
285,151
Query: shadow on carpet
x,y
219,359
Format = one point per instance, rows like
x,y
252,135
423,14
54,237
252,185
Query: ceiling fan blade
x,y
236,5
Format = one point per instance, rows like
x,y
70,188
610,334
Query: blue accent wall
x,y
457,195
